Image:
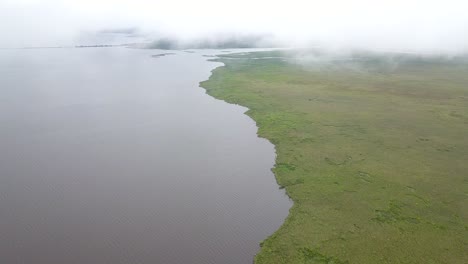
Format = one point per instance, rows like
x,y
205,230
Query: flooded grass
x,y
372,151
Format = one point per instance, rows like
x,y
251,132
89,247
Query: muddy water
x,y
109,155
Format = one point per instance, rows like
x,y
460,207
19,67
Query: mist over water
x,y
418,26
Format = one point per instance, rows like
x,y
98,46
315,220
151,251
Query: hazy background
x,y
414,25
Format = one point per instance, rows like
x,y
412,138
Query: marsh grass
x,y
374,156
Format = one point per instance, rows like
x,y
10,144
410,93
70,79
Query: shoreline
x,y
218,59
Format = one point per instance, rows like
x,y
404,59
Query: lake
x,y
110,155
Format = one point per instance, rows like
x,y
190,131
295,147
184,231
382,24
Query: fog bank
x,y
416,26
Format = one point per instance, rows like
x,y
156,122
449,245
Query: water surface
x,y
108,155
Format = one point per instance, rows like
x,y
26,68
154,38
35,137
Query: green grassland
x,y
372,149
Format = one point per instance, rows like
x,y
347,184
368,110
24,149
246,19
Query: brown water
x,y
108,155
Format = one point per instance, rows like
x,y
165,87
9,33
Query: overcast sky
x,y
417,25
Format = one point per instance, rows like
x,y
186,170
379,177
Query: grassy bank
x,y
373,151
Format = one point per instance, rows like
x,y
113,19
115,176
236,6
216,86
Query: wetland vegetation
x,y
371,148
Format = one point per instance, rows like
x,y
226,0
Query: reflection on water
x,y
112,156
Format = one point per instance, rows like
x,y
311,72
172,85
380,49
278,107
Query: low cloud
x,y
413,25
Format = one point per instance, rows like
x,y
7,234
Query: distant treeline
x,y
95,46
225,42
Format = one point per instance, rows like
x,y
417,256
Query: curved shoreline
x,y
248,112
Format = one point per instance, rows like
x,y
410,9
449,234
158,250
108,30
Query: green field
x,y
372,149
